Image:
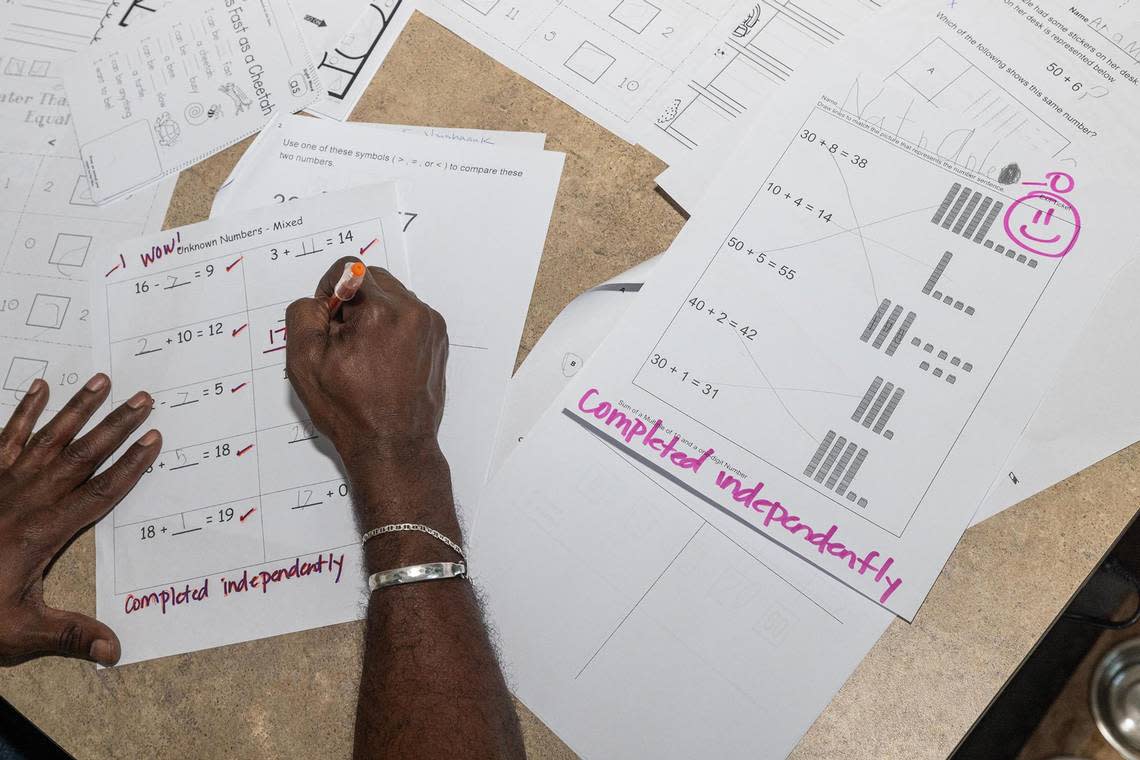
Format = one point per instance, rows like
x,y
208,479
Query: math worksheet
x,y
243,528
50,229
475,218
1108,26
669,75
162,95
821,379
751,53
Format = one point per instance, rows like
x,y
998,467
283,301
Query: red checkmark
x,y
230,268
242,451
247,514
238,330
364,250
238,388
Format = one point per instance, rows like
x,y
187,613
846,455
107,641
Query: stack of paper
x,y
901,304
244,527
464,224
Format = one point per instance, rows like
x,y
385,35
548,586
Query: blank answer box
x,y
48,311
70,250
590,62
22,371
635,15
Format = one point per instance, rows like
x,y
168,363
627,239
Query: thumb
x,y
71,634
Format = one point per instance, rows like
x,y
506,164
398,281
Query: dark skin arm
x,y
49,493
372,379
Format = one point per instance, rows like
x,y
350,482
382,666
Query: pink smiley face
x,y
1043,224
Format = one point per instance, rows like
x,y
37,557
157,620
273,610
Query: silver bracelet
x,y
397,527
435,571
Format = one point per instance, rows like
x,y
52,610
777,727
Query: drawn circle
x,y
195,114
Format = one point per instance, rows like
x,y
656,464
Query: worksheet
x,y
475,219
606,59
738,66
49,230
243,528
37,34
164,95
666,73
624,634
1091,411
349,60
1099,30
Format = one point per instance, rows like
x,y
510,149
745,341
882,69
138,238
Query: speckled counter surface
x,y
916,694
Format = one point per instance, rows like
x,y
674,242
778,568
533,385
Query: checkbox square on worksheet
x,y
70,250
48,311
22,371
635,15
590,62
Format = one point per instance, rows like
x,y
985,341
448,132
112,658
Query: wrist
x,y
412,484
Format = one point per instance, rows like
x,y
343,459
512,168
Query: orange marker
x,y
347,287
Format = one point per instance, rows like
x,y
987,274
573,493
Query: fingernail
x,y
139,400
151,438
104,652
96,383
38,386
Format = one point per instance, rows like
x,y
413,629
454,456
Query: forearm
x,y
430,684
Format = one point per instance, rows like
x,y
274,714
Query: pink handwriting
x,y
158,251
1051,230
774,513
168,597
263,579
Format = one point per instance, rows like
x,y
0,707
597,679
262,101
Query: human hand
x,y
372,378
49,493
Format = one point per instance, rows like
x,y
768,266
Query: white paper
x,y
163,95
1091,411
635,627
244,484
752,52
122,14
38,35
474,240
322,24
348,62
49,231
252,156
561,352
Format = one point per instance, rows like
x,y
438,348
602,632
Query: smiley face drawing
x,y
1042,221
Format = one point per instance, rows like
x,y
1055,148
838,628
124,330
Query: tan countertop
x,y
915,696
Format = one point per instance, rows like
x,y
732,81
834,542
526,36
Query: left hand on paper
x,y
49,493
